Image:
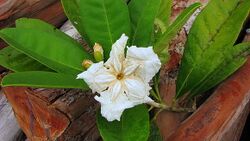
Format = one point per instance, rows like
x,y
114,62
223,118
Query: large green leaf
x,y
41,79
18,62
55,52
134,126
37,24
174,28
34,24
99,21
233,60
209,44
142,15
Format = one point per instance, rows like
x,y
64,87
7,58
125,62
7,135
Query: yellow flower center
x,y
120,76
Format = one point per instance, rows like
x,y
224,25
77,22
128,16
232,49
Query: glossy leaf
x,y
234,59
99,21
37,24
209,43
134,126
53,51
34,23
18,62
142,15
174,28
39,79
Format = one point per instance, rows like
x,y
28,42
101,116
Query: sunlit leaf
x,y
39,79
99,21
142,15
210,44
55,52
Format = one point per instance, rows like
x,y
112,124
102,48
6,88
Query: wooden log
x,y
54,114
48,10
9,129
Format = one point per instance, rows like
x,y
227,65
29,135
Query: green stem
x,y
171,108
152,92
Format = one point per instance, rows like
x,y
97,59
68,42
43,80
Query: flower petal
x,y
130,68
137,91
117,53
97,77
149,62
112,110
116,90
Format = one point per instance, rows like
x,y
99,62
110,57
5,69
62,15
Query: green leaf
x,y
233,60
17,62
154,133
55,52
40,79
164,12
209,43
34,24
174,28
142,15
37,24
134,126
99,21
162,20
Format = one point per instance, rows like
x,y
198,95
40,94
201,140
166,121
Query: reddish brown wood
x,y
46,114
47,10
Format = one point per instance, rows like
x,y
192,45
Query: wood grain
x,y
9,129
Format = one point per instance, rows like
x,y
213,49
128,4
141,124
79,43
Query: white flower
x,y
122,82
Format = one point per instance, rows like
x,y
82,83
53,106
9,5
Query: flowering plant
x,y
129,41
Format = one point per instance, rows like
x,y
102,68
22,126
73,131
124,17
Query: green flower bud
x,y
98,52
86,64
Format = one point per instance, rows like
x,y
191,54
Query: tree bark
x,y
54,114
9,129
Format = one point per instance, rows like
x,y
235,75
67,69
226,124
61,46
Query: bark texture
x,y
54,114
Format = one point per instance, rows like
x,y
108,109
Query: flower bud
x,y
98,52
86,64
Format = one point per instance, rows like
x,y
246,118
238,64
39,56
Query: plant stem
x,y
171,108
152,92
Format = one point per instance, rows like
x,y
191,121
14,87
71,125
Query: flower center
x,y
120,76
